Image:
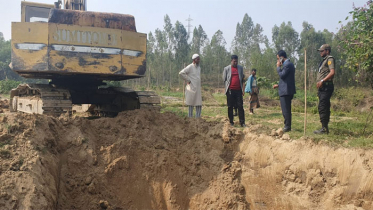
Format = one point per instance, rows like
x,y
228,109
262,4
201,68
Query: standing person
x,y
193,97
253,89
233,78
286,86
325,87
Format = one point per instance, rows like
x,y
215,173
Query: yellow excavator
x,y
77,50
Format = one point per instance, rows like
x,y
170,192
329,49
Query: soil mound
x,y
300,174
147,160
138,160
4,105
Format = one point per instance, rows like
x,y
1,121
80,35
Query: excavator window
x,y
37,14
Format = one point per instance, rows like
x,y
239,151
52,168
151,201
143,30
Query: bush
x,y
113,83
352,94
269,92
7,85
263,82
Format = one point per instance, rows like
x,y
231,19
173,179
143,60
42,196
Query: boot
x,y
286,129
323,130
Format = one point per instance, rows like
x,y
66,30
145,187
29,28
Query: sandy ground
x,y
146,160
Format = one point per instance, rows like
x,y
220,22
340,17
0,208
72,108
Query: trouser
x,y
235,110
198,111
285,102
325,93
234,98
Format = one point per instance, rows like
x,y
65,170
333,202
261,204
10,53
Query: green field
x,y
351,122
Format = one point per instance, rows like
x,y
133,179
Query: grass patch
x,y
5,95
361,142
180,111
8,128
220,98
346,127
214,111
176,94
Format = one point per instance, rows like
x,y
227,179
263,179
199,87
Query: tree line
x,y
169,49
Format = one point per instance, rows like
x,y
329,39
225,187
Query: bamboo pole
x,y
184,93
184,90
149,75
305,91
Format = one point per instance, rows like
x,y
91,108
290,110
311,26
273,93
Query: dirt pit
x,y
4,105
147,160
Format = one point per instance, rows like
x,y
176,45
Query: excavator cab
x,y
35,12
38,12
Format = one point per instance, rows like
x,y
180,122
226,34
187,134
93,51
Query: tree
x,y
310,40
286,38
5,59
181,47
265,62
343,77
247,40
215,58
357,42
169,33
168,50
199,40
150,56
159,51
168,57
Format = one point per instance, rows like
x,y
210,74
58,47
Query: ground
x,y
144,159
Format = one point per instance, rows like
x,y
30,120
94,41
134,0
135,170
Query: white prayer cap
x,y
195,56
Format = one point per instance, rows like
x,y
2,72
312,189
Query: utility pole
x,y
189,26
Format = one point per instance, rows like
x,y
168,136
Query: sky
x,y
212,15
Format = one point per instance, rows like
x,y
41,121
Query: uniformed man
x,y
325,87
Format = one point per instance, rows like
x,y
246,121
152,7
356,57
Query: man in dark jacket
x,y
286,86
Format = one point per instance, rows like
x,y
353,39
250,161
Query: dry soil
x,y
147,160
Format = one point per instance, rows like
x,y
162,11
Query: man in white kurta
x,y
192,75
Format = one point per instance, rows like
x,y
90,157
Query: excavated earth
x,y
147,160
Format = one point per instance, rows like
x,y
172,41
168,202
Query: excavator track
x,y
40,99
137,99
149,100
47,99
